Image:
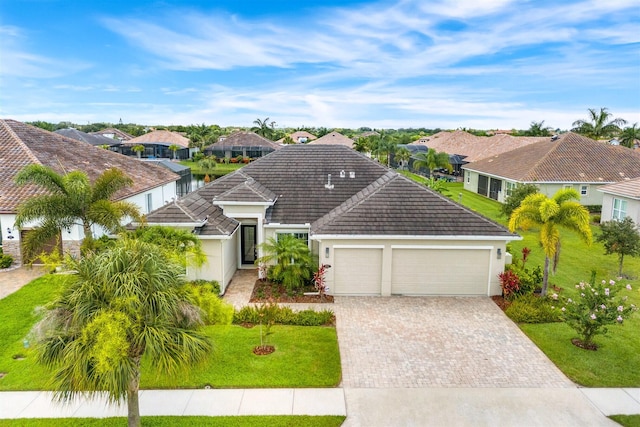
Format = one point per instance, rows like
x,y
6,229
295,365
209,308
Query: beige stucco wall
x,y
633,207
496,267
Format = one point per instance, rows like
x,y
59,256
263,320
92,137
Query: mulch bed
x,y
501,302
265,291
579,343
263,350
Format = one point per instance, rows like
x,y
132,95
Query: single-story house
x,y
333,138
620,200
242,143
380,232
22,145
300,137
156,146
565,161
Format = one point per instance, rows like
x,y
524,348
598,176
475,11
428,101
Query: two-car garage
x,y
412,270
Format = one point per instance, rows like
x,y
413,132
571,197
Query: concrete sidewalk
x,y
364,406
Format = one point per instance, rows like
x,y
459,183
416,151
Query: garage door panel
x,y
440,271
357,271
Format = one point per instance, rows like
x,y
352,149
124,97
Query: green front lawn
x,y
236,421
627,420
305,356
220,169
619,351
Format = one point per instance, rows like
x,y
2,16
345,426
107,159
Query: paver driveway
x,y
389,342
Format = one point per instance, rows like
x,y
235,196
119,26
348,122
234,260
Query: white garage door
x,y
357,271
440,271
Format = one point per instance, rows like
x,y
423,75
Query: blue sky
x,y
482,64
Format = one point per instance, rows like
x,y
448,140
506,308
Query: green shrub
x,y
214,284
285,316
204,295
530,308
197,156
5,260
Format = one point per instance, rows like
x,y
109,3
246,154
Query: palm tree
x,y
362,145
538,129
432,160
402,156
550,214
292,259
174,148
599,125
264,127
630,135
138,149
71,199
123,304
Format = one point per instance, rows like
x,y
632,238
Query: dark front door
x,y
248,244
495,186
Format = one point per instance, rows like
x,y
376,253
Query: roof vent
x,y
328,185
342,174
555,137
352,174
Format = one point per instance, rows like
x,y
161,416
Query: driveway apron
x,y
420,342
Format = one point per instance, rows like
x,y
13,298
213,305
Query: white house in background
x,y
620,200
22,145
381,233
566,161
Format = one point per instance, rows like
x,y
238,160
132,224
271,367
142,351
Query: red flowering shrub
x,y
510,283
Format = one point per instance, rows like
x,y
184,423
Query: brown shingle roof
x,y
476,147
160,137
630,188
373,200
244,139
300,134
569,158
333,138
22,145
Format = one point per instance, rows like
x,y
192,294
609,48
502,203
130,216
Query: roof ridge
x,y
184,209
21,142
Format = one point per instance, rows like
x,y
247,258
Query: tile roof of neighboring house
x,y
117,134
300,134
164,137
244,139
630,188
367,199
476,147
92,139
22,145
568,158
333,138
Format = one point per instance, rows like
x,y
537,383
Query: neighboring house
x,y
333,138
566,161
183,185
93,139
242,143
620,200
22,145
381,233
300,137
156,145
473,147
114,133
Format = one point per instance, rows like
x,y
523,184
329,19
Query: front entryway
x,y
248,242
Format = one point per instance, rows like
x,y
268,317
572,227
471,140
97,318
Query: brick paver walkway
x,y
389,342
14,279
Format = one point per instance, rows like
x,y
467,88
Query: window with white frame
x,y
304,236
509,187
567,187
468,177
619,209
149,202
584,190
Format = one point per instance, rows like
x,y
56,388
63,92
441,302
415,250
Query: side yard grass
x,y
305,356
151,421
619,350
220,169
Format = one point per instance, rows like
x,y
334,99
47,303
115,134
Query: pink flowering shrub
x,y
595,307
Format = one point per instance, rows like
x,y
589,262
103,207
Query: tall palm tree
x,y
402,156
123,304
538,129
264,127
599,124
174,148
432,160
551,214
292,259
630,135
362,145
69,200
138,149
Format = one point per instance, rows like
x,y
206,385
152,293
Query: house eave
x,y
234,203
412,237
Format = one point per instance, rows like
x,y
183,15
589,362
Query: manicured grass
x,y
627,420
619,350
220,169
305,356
239,421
